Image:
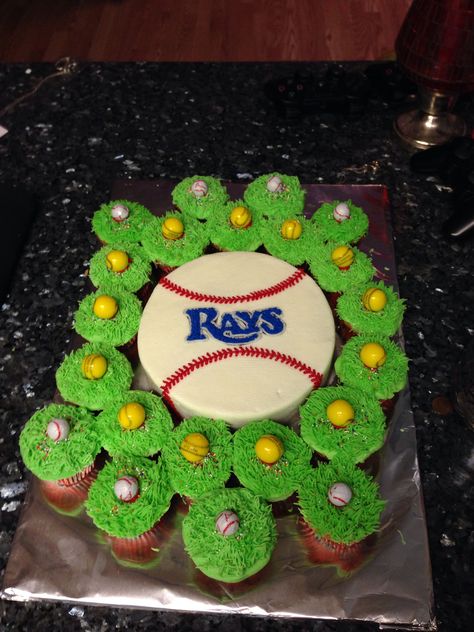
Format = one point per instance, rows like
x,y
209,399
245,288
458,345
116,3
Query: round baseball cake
x,y
239,336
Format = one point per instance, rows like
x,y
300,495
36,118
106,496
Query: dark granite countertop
x,y
78,133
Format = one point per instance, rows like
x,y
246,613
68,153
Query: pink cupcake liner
x,y
325,551
144,548
68,494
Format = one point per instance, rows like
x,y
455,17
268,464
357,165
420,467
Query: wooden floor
x,y
199,30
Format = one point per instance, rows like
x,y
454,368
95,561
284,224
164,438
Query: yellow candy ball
x,y
373,355
343,257
194,447
291,229
105,307
374,299
269,449
340,413
94,366
131,416
117,261
240,217
172,228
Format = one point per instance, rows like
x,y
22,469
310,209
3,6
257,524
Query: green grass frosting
x,y
273,482
200,208
330,277
351,523
235,557
50,460
94,394
355,442
128,231
144,441
132,279
175,252
386,322
292,251
116,331
290,201
383,382
194,480
225,236
348,231
129,519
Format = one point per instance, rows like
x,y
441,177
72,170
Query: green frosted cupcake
x,y
372,308
340,222
174,249
109,316
275,194
325,259
335,514
230,534
339,421
135,516
199,196
198,456
100,389
59,442
373,374
287,238
139,429
127,227
120,268
233,227
270,459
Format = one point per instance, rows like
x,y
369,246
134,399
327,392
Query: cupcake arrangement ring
x,y
237,348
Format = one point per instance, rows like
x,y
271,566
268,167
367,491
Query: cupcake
x,y
137,423
108,316
174,239
287,238
59,444
340,508
275,194
120,268
94,376
127,502
230,534
340,421
198,456
120,222
270,459
199,196
373,364
340,222
337,268
371,308
233,227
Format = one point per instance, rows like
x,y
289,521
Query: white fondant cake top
x,y
236,336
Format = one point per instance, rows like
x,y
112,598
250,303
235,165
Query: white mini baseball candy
x,y
126,488
339,494
119,212
341,212
199,188
58,430
275,185
227,523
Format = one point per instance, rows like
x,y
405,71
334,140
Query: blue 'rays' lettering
x,y
238,327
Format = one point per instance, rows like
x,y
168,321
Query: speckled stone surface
x,y
78,133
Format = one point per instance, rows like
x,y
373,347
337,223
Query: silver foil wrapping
x,y
64,558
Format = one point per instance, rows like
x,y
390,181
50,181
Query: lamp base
x,y
431,124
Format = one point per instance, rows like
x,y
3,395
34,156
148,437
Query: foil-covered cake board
x,y
64,558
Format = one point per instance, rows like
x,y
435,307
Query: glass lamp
x,y
435,48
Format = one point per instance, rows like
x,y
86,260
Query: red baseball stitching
x,y
256,295
223,354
